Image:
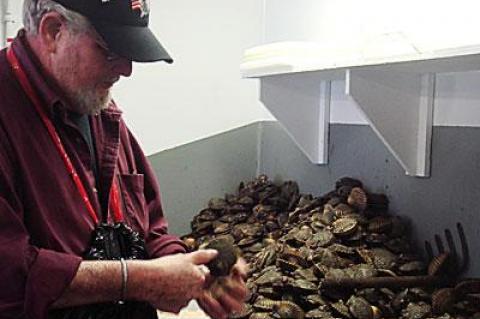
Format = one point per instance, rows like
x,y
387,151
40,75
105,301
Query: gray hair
x,y
34,10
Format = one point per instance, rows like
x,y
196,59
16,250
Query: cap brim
x,y
136,43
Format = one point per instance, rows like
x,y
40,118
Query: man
x,y
68,164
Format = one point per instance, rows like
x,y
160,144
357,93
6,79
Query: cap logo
x,y
141,6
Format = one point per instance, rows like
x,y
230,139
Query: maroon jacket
x,y
44,224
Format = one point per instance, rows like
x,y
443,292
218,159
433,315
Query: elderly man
x,y
79,203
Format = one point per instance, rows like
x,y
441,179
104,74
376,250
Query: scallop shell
x,y
443,300
439,264
360,308
380,225
342,210
264,304
377,313
287,265
217,204
344,227
413,267
357,198
347,181
318,314
377,202
288,310
227,256
242,314
191,243
468,287
342,309
260,315
344,191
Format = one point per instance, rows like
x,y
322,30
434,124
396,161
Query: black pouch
x,y
112,242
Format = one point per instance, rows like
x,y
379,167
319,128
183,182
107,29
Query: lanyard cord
x,y
27,87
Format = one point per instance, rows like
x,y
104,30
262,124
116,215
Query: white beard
x,y
87,102
86,99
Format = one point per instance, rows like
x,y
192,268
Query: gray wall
x,y
191,174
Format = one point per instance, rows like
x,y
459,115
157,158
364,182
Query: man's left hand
x,y
220,299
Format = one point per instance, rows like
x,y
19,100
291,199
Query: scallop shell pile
x,y
294,241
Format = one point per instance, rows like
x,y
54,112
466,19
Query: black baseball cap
x,y
123,25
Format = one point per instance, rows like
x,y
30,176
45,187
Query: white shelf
x,y
446,60
395,94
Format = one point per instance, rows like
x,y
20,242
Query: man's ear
x,y
50,30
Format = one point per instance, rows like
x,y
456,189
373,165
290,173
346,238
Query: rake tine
x,y
450,242
429,250
465,253
440,247
453,251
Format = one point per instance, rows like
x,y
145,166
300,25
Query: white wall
x,y
202,93
370,25
3,12
427,24
10,19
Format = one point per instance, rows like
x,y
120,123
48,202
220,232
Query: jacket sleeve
x,y
159,242
31,278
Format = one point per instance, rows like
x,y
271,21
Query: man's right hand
x,y
167,283
170,282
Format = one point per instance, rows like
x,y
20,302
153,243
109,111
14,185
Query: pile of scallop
x,y
340,255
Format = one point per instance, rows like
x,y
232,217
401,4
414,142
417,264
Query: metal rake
x,y
458,264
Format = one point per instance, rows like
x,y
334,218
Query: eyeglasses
x,y
109,55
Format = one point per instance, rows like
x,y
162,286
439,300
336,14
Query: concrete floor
x,y
192,311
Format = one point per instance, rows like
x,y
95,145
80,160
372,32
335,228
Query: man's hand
x,y
228,295
170,282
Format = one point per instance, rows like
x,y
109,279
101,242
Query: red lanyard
x,y
27,87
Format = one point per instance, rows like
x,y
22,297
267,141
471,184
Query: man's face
x,y
85,71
